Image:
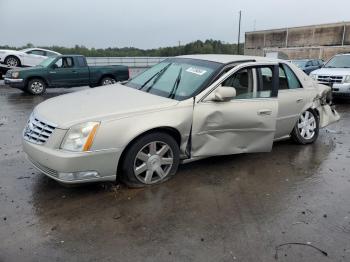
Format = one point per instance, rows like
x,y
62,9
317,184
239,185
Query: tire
x,y
107,81
36,87
12,61
307,128
142,162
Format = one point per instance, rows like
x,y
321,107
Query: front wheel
x,y
307,128
151,159
107,81
36,87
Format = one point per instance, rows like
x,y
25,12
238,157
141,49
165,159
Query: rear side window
x,y
292,79
81,61
37,52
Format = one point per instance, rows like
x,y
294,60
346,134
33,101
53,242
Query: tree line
x,y
197,47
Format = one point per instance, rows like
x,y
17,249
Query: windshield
x,y
339,62
300,63
47,62
175,78
24,50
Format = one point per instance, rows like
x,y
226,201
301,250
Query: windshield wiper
x,y
157,76
176,85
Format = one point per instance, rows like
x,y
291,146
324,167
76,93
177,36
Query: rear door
x,y
247,123
292,98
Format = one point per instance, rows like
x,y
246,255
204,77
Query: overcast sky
x,y
153,23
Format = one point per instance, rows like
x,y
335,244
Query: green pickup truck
x,y
64,71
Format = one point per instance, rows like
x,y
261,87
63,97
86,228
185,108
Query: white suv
x,y
335,73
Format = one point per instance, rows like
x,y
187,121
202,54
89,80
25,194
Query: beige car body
x,y
201,126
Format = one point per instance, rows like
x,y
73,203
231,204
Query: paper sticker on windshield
x,y
196,71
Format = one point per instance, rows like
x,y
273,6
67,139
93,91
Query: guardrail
x,y
138,62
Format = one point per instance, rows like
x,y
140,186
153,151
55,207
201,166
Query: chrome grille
x,y
330,79
38,130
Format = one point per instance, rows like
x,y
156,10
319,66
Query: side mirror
x,y
223,94
54,66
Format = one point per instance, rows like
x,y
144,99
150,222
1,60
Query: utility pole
x,y
239,31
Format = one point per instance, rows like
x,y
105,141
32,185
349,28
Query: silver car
x,y
183,109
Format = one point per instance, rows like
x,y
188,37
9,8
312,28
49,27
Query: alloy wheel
x,y
37,87
153,162
307,125
108,82
12,62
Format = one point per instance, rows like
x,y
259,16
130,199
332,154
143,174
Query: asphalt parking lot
x,y
287,205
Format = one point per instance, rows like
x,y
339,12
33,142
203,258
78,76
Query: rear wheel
x,y
12,61
107,81
307,128
36,86
151,159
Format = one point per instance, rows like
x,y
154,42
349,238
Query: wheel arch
x,y
106,75
15,56
173,132
35,77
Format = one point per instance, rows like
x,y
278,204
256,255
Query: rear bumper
x,y
17,83
70,167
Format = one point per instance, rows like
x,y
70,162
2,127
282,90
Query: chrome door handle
x,y
265,112
299,100
52,72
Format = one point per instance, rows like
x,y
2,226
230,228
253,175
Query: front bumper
x,y
341,89
56,164
17,83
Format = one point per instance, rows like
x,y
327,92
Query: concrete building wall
x,y
318,41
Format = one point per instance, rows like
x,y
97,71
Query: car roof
x,y
226,59
37,48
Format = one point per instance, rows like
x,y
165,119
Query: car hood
x,y
24,70
332,71
99,104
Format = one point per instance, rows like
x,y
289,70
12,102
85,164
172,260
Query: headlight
x,y
347,79
15,74
79,138
314,77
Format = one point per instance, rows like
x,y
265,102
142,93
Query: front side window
x,y
251,83
176,78
64,62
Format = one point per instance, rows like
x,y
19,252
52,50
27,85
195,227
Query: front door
x,y
63,73
34,57
247,123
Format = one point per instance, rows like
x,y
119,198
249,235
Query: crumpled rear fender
x,y
323,104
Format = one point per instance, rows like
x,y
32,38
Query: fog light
x,y
66,176
87,175
78,175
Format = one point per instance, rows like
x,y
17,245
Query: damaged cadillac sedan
x,y
183,109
